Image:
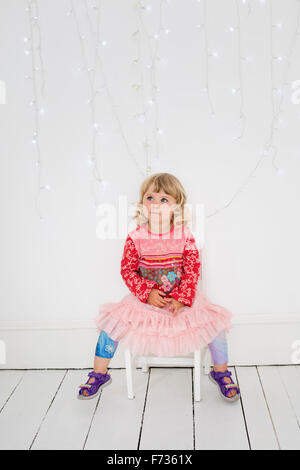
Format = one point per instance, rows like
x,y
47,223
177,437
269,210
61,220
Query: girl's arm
x,y
186,290
137,284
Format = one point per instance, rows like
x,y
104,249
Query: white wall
x,y
56,272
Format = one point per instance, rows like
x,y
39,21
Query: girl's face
x,y
158,205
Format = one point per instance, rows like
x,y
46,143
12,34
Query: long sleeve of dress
x,y
137,284
186,290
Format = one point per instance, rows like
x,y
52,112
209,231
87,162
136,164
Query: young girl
x,y
164,313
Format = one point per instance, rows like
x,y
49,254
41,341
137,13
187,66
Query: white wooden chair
x,y
201,358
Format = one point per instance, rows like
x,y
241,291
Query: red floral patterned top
x,y
169,262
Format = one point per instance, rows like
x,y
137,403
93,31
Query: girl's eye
x,y
161,198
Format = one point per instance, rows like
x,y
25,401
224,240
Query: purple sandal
x,y
93,389
224,387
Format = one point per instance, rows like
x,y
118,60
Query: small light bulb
x,y
136,86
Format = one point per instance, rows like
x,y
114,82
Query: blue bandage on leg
x,y
106,346
218,349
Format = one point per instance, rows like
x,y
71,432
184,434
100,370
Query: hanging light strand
x,y
282,90
242,117
93,161
275,113
99,183
142,116
152,67
99,62
249,5
207,55
37,65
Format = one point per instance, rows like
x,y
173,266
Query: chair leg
x,y
144,364
128,365
197,375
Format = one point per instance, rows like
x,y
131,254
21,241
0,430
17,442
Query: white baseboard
x,y
264,339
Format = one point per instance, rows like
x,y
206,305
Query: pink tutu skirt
x,y
146,329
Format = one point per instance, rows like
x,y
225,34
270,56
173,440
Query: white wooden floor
x,y
39,410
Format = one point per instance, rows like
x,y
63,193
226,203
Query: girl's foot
x,y
227,388
91,381
94,385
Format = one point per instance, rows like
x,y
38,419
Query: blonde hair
x,y
171,186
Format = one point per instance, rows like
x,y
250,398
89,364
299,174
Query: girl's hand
x,y
156,298
174,304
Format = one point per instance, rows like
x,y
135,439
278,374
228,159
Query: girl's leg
x,y
219,354
105,350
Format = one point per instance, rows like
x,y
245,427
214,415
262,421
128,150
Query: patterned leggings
x,y
106,347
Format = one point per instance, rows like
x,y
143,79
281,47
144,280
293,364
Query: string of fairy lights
x,y
92,161
208,55
240,89
249,5
270,145
142,115
34,50
88,28
280,91
99,183
152,101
